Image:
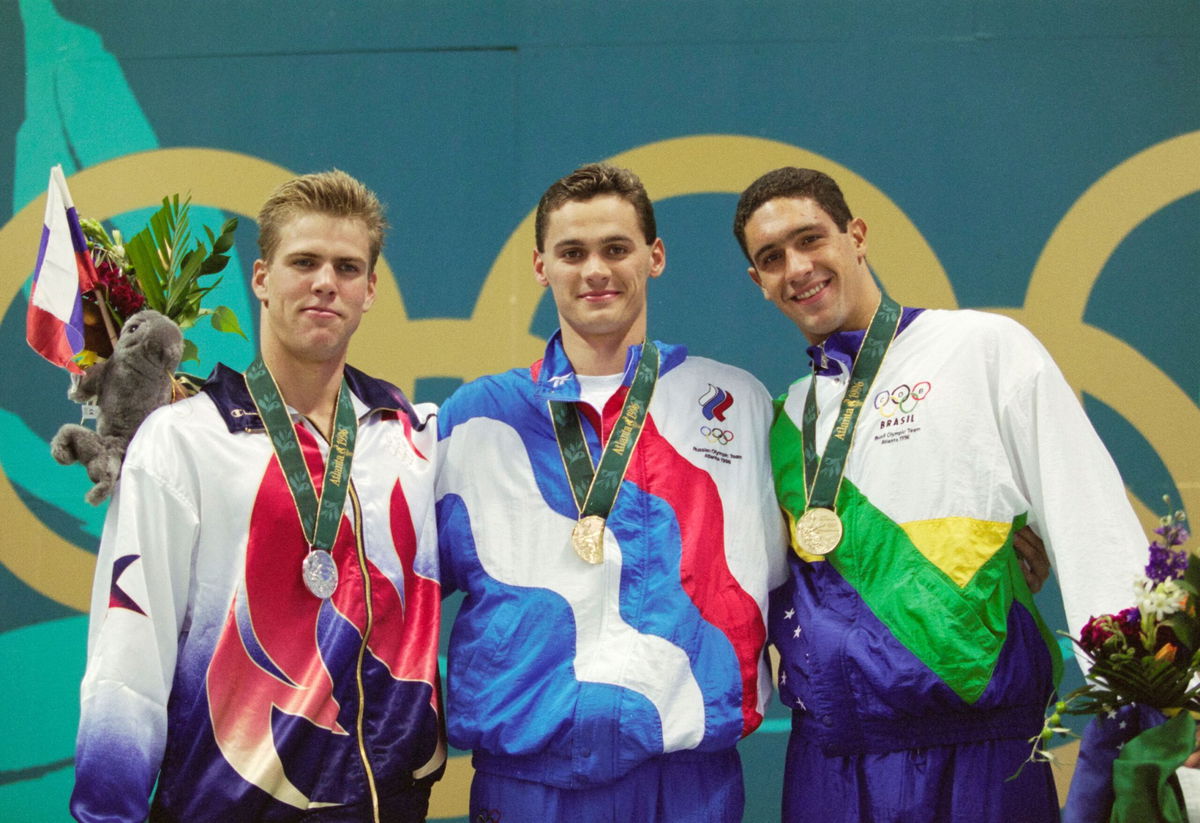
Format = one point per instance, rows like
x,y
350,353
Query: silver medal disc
x,y
320,573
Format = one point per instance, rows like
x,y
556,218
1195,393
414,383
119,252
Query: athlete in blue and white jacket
x,y
614,691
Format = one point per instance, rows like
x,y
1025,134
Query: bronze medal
x,y
818,531
588,539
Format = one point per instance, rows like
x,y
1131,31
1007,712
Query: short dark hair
x,y
790,181
333,193
590,181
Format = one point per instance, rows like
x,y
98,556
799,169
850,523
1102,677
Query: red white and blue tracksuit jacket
x,y
211,668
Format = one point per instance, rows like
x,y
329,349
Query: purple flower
x,y
1166,562
1173,529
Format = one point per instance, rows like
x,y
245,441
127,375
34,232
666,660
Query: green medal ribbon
x,y
819,530
595,490
319,518
824,478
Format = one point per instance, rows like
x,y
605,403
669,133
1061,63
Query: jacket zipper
x,y
362,651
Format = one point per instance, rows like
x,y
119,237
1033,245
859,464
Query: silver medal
x,y
320,573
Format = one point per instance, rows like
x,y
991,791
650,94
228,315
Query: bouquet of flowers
x,y
1148,653
1142,691
154,270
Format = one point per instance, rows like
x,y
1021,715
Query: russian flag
x,y
54,323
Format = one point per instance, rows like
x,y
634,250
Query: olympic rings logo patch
x,y
901,400
715,435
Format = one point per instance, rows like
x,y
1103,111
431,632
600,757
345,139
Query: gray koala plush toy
x,y
135,381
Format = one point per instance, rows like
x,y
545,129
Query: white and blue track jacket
x,y
572,674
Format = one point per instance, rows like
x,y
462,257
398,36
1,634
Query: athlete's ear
x,y
658,257
858,232
539,269
258,280
753,272
369,300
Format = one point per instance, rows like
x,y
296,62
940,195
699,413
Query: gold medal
x,y
588,538
818,531
595,488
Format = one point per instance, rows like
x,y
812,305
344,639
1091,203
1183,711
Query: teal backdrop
x,y
1036,158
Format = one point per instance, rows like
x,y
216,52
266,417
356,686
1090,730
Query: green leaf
x,y
189,266
214,263
223,319
182,284
1124,679
1192,575
1185,629
142,256
153,253
190,352
225,241
185,317
202,291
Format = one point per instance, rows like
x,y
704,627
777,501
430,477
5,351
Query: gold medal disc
x,y
818,531
588,539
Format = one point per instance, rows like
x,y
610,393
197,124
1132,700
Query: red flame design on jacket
x,y
270,656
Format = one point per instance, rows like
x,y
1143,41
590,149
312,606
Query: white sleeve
x,y
431,448
139,607
1078,503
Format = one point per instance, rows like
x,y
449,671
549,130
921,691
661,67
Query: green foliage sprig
x,y
170,276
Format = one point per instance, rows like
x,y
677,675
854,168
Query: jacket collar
x,y
228,391
555,378
835,354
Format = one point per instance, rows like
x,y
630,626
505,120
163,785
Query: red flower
x,y
121,294
1095,632
1130,621
1099,630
